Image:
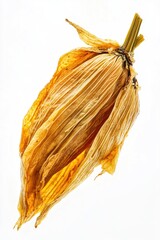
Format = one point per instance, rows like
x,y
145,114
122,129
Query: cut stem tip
x,y
132,39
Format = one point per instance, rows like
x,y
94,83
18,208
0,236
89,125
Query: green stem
x,y
131,39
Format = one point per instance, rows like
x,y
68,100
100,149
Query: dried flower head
x,y
79,120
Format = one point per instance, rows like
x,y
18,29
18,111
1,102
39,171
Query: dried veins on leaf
x,y
79,120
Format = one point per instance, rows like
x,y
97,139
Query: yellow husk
x,y
79,120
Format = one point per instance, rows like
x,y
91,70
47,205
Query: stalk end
x,y
132,39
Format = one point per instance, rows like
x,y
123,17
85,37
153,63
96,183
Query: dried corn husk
x,y
79,120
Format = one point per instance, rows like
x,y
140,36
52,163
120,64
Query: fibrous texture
x,y
79,121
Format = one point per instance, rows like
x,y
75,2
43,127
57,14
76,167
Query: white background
x,y
33,35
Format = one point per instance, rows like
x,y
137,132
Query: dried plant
x,y
79,120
